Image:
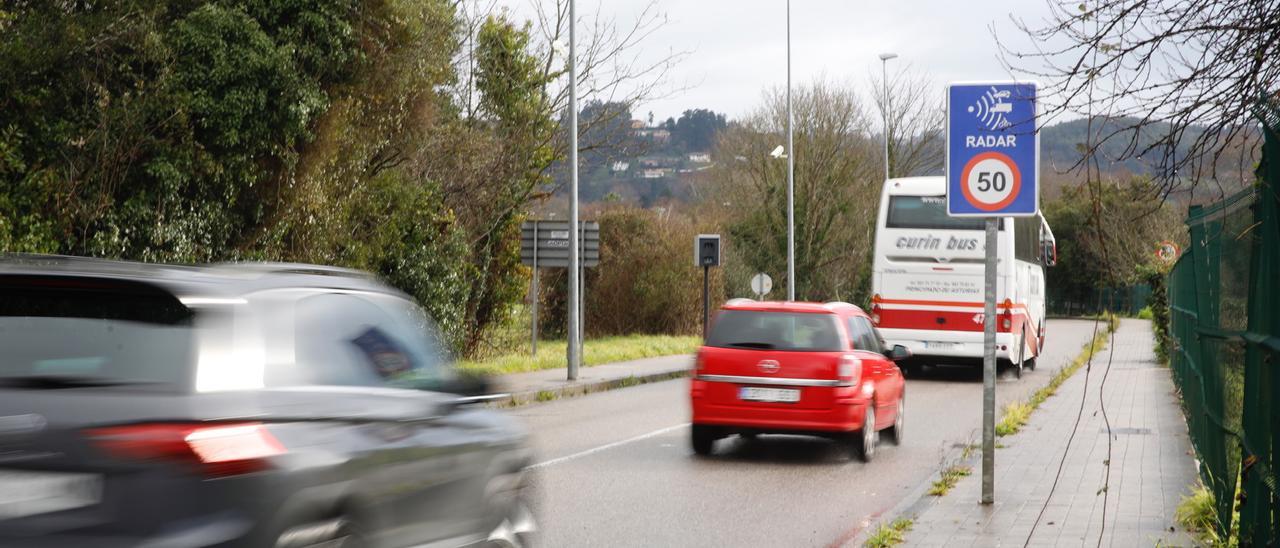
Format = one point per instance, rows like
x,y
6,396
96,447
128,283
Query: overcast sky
x,y
738,47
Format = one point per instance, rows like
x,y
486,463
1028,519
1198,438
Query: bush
x,y
1145,313
646,282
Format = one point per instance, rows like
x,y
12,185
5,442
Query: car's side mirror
x,y
462,385
898,353
1049,252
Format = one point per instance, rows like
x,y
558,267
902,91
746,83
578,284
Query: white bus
x,y
928,282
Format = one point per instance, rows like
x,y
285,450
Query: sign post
x,y
547,244
993,168
706,254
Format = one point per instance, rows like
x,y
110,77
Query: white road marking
x,y
608,446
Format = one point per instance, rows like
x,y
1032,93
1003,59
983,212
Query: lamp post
x,y
575,309
884,107
791,178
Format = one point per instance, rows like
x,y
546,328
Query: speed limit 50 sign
x,y
993,150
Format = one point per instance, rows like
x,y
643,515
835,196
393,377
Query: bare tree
x,y
915,116
836,190
1173,82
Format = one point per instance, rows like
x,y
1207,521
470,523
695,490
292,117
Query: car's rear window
x,y
105,332
788,331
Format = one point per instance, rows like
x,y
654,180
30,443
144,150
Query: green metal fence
x,y
1125,301
1224,328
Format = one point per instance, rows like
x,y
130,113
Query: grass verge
x,y
889,535
596,351
1016,414
949,478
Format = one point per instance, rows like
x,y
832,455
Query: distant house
x,y
660,135
620,166
637,124
656,173
699,157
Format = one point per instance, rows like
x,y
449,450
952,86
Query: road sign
x,y
706,250
993,150
1167,252
552,244
761,284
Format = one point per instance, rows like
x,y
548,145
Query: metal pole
x,y
572,346
989,366
582,298
884,80
791,178
534,292
706,298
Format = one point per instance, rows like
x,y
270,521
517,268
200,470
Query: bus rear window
x,y
927,212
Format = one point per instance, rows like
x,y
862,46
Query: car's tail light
x,y
217,450
1006,315
850,370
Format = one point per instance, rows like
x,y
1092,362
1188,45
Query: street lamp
x,y
791,178
884,108
575,310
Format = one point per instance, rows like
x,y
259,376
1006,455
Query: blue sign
x,y
993,150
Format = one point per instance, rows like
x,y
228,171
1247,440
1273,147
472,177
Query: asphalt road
x,y
616,468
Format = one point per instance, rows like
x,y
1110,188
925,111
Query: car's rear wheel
x,y
862,444
703,438
519,529
895,432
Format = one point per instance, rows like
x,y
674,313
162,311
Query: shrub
x,y
646,282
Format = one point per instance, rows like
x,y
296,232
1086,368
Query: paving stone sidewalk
x,y
552,383
1152,465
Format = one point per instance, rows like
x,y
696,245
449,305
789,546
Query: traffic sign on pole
x,y
993,150
761,284
993,168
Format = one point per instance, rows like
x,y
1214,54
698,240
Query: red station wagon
x,y
796,368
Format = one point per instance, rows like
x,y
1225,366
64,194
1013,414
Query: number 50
x,y
992,181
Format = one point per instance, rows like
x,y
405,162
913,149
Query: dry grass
x,y
1016,414
949,478
889,535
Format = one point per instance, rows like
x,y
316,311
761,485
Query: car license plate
x,y
24,493
784,395
941,345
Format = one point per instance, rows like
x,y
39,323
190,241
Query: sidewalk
x,y
1152,466
551,383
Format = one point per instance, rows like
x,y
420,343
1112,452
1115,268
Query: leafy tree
x,y
1107,235
696,129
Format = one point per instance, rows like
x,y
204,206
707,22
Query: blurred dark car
x,y
240,405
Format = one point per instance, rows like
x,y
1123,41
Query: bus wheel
x,y
1022,350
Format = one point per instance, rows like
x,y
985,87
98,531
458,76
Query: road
x,y
616,468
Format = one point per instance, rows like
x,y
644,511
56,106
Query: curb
x,y
918,499
532,397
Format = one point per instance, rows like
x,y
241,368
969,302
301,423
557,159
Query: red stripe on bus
x,y
943,303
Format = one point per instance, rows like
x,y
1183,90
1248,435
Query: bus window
x,y
928,212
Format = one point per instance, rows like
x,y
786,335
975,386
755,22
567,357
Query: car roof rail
x,y
293,268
